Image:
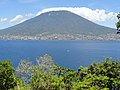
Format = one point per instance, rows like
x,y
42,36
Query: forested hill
x,y
64,22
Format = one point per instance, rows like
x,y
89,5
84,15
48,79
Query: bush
x,y
7,77
48,76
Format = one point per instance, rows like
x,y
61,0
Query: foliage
x,y
118,23
46,75
105,75
25,68
24,71
44,81
45,63
22,87
98,76
118,16
7,77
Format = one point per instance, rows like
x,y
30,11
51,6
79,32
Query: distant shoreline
x,y
61,37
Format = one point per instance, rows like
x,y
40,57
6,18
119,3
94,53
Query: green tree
x,y
102,75
45,63
118,16
24,71
7,77
45,81
44,76
118,23
97,76
25,68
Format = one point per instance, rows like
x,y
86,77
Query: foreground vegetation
x,y
46,75
118,23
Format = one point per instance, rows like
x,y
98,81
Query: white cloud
x,y
99,16
21,18
18,18
3,19
30,15
93,15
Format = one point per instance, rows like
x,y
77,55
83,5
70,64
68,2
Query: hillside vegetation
x,y
46,75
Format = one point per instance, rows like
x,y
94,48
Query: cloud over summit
x,y
98,15
93,15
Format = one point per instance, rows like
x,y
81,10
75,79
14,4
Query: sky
x,y
102,12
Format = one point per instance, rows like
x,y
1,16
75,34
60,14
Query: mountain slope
x,y
58,22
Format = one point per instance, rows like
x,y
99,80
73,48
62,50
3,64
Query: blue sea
x,y
68,53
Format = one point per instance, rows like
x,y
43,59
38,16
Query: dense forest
x,y
46,75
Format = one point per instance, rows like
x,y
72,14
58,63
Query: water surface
x,y
70,54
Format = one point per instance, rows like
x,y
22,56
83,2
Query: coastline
x,y
60,37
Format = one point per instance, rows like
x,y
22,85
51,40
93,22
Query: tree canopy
x,y
46,75
7,77
118,16
118,23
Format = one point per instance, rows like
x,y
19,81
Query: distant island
x,y
58,25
